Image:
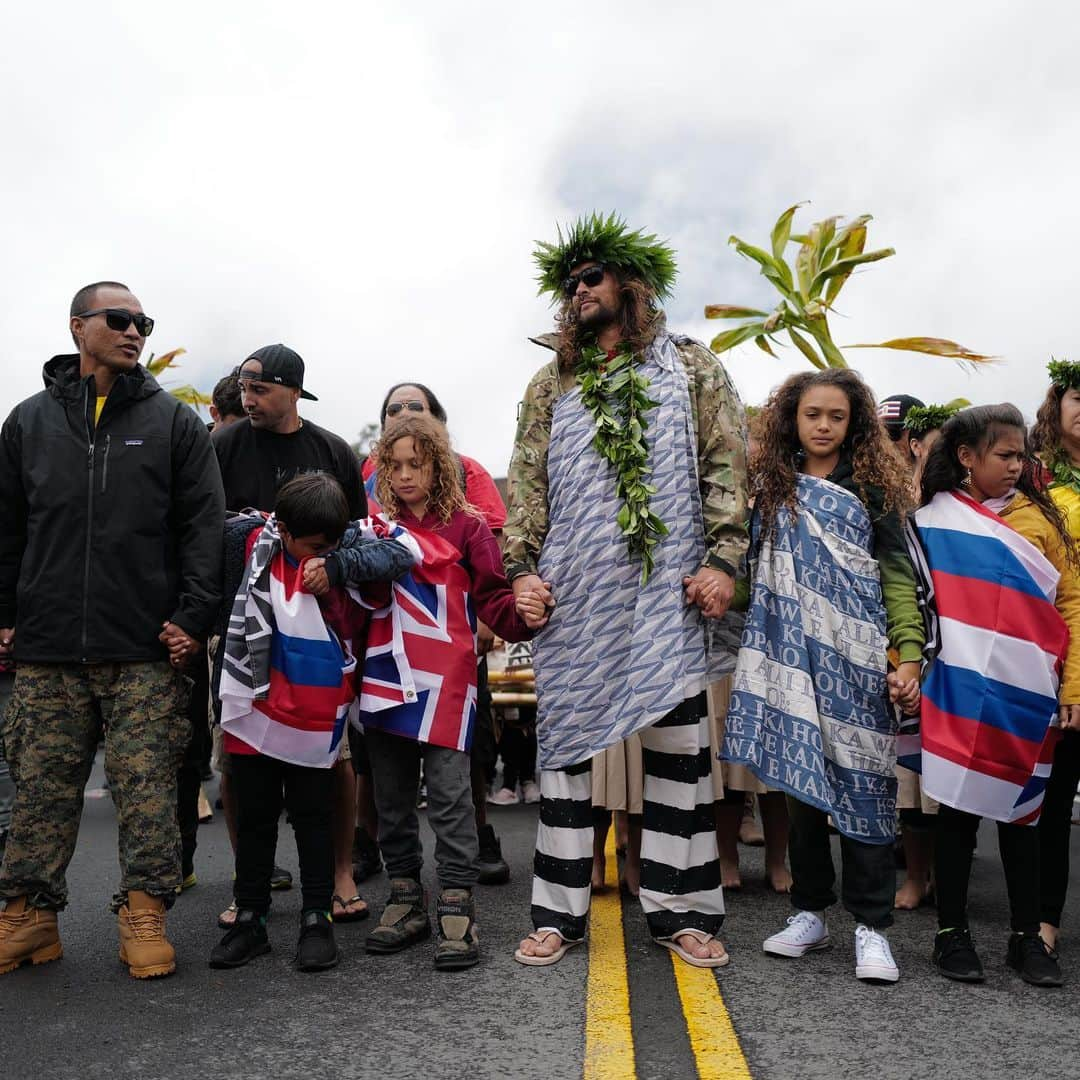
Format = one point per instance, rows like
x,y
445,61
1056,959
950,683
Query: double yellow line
x,y
609,1038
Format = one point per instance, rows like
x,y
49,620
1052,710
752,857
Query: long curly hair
x,y
1046,435
639,317
432,444
774,467
979,428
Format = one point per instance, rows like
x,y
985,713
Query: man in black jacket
x,y
110,560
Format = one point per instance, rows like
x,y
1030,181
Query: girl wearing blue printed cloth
x,y
999,572
831,588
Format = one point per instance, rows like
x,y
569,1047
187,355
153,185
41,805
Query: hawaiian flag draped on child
x,y
420,665
287,680
996,648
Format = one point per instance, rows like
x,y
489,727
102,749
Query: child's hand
x,y
316,581
904,686
532,609
1069,716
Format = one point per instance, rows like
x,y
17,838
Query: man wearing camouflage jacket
x,y
110,565
627,514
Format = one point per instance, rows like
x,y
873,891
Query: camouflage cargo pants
x,y
7,788
51,731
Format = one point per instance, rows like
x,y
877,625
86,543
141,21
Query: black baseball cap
x,y
893,411
280,365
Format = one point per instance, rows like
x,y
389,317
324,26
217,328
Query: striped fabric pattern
x,y
680,868
990,695
287,681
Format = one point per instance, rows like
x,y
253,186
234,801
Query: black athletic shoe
x,y
316,950
1033,959
955,956
491,866
280,878
366,859
245,940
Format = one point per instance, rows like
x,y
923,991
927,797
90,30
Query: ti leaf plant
x,y
825,258
186,393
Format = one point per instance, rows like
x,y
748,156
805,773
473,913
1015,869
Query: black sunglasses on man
x,y
591,276
119,320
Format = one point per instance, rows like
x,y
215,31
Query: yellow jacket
x,y
1028,520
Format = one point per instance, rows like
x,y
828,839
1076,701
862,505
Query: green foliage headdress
x,y
608,240
921,419
1064,374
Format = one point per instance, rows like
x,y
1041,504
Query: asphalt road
x,y
396,1017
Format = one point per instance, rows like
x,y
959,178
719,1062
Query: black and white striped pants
x,y
680,869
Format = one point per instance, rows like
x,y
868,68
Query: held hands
x,y
316,580
712,591
533,600
183,648
904,686
7,640
1069,716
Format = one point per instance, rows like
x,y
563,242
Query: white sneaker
x,y
873,958
504,797
530,792
805,932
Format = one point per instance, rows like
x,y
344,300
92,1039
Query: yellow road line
x,y
609,1041
712,1036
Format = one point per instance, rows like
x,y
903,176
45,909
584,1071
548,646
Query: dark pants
x,y
954,845
868,885
189,775
1054,826
395,771
517,747
262,786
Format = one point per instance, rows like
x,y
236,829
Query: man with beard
x,y
627,513
257,456
110,559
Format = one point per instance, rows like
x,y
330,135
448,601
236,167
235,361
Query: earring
x,y
966,482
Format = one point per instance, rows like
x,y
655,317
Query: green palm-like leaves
x,y
826,256
187,393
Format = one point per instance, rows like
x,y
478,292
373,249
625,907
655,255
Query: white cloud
x,y
365,182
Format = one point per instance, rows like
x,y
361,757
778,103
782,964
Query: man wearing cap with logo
x,y
110,559
257,457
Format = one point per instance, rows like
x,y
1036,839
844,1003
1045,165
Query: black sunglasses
x,y
592,277
396,407
119,320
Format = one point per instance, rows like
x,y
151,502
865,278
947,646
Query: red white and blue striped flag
x,y
998,644
287,680
420,665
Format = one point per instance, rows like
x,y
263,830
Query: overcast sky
x,y
365,181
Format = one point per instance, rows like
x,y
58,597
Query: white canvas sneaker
x,y
873,958
805,931
530,792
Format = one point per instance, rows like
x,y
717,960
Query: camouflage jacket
x,y
719,425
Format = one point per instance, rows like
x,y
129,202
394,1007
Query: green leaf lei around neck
x,y
1064,472
616,394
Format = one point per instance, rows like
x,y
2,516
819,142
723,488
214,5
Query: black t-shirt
x,y
255,463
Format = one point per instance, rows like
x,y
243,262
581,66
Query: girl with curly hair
x,y
1056,437
831,589
1000,567
419,486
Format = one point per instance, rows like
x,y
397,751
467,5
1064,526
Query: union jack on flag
x,y
420,665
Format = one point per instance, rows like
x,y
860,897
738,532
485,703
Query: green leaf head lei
x,y
596,238
1064,374
922,419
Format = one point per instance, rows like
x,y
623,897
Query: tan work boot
x,y
143,945
27,935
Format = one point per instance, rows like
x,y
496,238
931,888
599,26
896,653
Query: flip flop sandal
x,y
224,920
689,957
347,915
539,936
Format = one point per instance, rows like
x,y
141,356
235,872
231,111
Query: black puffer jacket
x,y
106,532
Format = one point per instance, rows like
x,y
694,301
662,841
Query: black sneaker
x,y
492,868
366,858
1035,961
955,956
316,950
456,946
245,940
280,878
